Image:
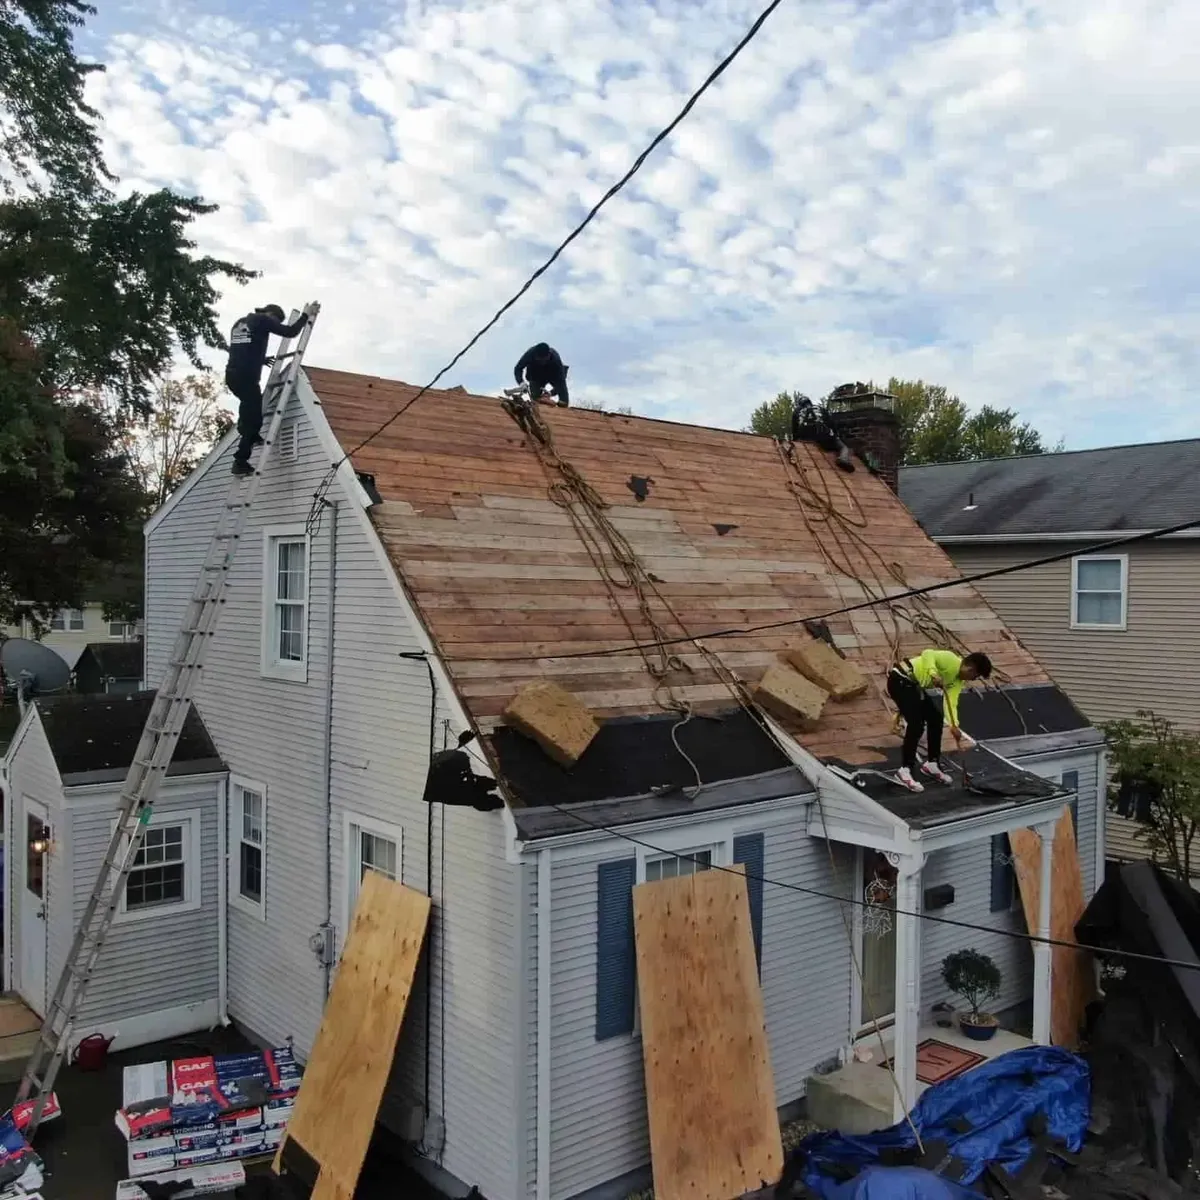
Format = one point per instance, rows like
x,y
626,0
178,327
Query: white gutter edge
x,y
223,903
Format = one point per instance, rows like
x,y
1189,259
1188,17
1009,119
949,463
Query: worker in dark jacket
x,y
247,356
540,365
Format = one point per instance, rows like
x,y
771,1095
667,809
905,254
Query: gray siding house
x,y
162,970
1116,630
387,602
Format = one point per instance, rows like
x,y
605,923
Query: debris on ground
x,y
207,1109
21,1170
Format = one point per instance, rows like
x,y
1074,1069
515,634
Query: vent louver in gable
x,y
286,448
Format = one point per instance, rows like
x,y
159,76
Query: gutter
x,y
1083,535
223,904
327,940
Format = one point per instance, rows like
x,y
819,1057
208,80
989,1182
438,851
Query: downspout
x,y
543,1024
330,613
223,904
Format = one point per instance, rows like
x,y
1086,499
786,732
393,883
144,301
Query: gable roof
x,y
94,738
1080,491
113,660
500,575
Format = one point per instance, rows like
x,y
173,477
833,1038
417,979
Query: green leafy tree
x,y
936,427
1151,749
97,294
773,418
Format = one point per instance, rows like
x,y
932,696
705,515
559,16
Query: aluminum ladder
x,y
156,747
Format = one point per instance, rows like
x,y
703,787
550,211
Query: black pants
x,y
249,395
537,385
919,713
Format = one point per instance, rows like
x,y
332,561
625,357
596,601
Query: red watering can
x,y
92,1052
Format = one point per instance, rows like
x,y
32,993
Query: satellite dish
x,y
33,668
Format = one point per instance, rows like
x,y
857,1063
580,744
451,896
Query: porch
x,y
860,1097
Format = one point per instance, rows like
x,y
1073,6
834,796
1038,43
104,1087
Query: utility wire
x,y
659,138
1035,939
994,573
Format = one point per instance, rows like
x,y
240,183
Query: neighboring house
x,y
161,970
365,631
1117,630
72,629
111,668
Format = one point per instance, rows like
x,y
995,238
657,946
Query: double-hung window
x,y
285,603
369,845
67,620
165,876
248,847
1099,591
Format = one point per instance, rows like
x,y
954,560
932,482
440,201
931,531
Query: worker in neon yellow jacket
x,y
909,684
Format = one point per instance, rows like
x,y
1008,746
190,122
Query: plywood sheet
x,y
1072,981
714,1132
348,1070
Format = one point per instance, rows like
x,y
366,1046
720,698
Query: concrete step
x,y
14,1053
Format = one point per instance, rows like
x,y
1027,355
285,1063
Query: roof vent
x,y
970,505
285,444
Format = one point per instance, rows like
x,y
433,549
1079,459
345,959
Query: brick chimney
x,y
865,419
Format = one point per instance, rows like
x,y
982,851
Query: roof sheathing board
x,y
498,572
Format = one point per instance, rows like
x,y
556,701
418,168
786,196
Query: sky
x,y
1001,196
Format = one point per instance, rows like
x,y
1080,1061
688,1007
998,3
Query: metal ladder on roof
x,y
164,724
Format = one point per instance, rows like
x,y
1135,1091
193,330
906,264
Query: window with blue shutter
x,y
1070,781
616,960
749,850
1002,874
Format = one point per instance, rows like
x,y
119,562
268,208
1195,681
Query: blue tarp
x,y
901,1183
997,1100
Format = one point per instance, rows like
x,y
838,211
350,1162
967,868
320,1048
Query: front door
x,y
33,853
877,947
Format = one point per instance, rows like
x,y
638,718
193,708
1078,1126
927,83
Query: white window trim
x,y
271,666
234,855
1123,559
394,833
189,818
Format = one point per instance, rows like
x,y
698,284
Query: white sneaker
x,y
905,778
935,772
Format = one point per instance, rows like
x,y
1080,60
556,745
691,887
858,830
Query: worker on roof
x,y
909,684
540,366
243,370
810,424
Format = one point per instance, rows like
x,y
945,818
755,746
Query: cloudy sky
x,y
999,195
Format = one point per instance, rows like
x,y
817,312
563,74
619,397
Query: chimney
x,y
865,419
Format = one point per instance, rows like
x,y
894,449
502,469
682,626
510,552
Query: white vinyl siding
x,y
248,847
268,729
1099,587
285,603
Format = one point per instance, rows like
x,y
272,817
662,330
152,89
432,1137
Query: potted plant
x,y
976,978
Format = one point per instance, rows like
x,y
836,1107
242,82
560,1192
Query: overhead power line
x,y
659,138
742,631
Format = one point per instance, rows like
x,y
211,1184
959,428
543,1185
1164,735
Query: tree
x,y
773,418
97,294
1150,750
599,406
936,427
186,421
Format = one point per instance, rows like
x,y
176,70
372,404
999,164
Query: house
x,y
383,607
161,972
72,629
109,667
1115,629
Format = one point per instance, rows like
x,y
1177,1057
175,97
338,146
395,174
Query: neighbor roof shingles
x,y
497,570
1082,491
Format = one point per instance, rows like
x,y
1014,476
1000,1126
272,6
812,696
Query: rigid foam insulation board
x,y
553,718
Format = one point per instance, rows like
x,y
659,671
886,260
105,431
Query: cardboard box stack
x,y
196,1111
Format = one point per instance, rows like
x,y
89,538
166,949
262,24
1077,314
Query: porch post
x,y
908,981
1043,953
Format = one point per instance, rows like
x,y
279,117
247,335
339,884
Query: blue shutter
x,y
1070,781
749,850
1002,874
616,962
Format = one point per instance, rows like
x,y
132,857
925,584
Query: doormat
x,y
939,1061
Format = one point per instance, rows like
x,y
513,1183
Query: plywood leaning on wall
x,y
714,1130
1072,981
348,1070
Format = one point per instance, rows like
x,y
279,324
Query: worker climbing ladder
x,y
157,744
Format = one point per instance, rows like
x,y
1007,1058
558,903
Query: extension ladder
x,y
156,747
